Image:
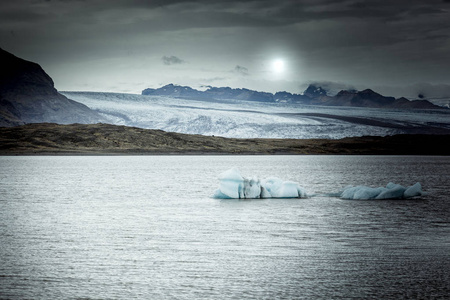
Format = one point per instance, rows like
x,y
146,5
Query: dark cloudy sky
x,y
129,45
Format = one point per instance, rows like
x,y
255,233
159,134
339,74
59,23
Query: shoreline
x,y
199,154
110,140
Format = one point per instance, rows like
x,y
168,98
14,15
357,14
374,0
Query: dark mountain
x,y
175,91
369,98
417,104
222,93
28,95
313,91
238,94
288,97
313,95
366,98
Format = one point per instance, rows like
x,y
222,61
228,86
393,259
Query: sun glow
x,y
278,66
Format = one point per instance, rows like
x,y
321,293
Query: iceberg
x,y
234,186
391,191
231,185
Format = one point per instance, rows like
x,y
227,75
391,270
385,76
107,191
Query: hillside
x,y
100,139
28,95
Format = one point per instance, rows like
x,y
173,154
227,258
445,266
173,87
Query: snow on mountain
x,y
250,119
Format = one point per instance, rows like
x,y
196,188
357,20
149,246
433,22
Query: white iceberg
x,y
413,191
278,188
360,192
234,186
391,191
231,185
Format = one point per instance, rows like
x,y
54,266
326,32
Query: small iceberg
x,y
234,186
391,191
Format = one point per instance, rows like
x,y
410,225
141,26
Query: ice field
x,y
249,119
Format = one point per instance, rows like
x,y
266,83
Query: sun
x,y
278,65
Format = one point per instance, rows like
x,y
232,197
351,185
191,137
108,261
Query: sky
x,y
399,47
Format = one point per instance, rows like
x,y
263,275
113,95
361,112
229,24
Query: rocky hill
x,y
28,95
369,98
313,95
219,93
111,139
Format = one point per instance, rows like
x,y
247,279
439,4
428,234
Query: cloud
x,y
172,60
241,70
213,79
323,40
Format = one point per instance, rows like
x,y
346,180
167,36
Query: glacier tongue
x,y
250,119
238,119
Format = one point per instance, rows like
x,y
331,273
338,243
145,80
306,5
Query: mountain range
x,y
313,95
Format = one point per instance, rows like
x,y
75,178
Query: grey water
x,y
123,227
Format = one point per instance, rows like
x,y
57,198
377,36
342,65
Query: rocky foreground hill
x,y
28,95
99,139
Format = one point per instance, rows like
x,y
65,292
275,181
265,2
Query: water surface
x,y
119,227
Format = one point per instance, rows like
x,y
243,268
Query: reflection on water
x,y
141,227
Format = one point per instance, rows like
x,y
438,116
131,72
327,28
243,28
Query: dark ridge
x,y
105,139
313,95
28,95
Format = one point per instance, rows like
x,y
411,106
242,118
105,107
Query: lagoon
x,y
114,227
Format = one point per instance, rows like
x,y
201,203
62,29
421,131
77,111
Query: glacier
x,y
234,186
249,119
